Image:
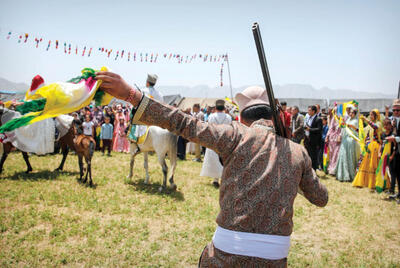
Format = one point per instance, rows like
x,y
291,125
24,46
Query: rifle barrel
x,y
267,80
398,92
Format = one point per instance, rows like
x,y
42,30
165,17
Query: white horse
x,y
162,142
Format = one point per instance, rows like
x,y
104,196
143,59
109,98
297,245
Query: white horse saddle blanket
x,y
37,138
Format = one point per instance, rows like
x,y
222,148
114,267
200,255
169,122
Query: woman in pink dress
x,y
333,141
121,143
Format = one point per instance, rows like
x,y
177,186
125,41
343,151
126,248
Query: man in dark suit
x,y
313,131
297,125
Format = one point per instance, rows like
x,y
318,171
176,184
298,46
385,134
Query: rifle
x,y
280,129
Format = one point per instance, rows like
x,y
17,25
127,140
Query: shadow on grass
x,y
39,175
153,188
390,199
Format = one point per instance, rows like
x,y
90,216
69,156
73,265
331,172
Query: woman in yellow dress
x,y
366,173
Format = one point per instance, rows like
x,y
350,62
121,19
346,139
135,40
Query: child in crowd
x,y
88,126
387,124
106,134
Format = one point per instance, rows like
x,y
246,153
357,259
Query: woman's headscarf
x,y
371,131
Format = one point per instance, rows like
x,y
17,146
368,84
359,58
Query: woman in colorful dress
x,y
349,149
366,173
333,141
121,143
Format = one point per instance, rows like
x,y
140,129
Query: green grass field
x,y
49,219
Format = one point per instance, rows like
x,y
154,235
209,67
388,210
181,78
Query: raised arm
x,y
220,138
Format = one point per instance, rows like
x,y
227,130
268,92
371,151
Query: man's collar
x,y
263,123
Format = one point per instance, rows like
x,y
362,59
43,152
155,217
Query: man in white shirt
x,y
212,166
150,91
136,131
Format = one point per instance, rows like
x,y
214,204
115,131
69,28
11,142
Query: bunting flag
x,y
48,101
117,54
144,56
382,178
227,99
221,74
325,162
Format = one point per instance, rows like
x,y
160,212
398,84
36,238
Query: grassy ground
x,y
49,219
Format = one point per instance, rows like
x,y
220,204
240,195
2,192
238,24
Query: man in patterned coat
x,y
262,175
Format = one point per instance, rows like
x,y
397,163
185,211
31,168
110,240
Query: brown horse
x,y
84,147
66,143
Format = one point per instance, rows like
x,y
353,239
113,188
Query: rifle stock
x,y
280,130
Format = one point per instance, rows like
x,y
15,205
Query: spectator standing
x,y
349,148
108,112
395,138
365,176
212,166
333,141
106,135
325,129
287,117
199,115
313,131
297,125
388,132
121,143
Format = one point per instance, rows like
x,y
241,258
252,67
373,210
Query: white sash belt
x,y
270,247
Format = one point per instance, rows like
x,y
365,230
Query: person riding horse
x,y
136,131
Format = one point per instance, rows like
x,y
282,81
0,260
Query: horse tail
x,y
91,148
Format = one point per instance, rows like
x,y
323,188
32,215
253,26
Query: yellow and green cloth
x,y
59,98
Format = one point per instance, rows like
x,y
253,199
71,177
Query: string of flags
x,y
67,48
116,54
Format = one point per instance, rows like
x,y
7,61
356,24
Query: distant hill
x,y
281,91
6,85
204,91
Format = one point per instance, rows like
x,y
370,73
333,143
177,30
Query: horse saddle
x,y
78,140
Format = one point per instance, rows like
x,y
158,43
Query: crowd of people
x,y
108,125
317,129
349,159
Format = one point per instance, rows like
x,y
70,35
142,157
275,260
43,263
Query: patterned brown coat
x,y
261,177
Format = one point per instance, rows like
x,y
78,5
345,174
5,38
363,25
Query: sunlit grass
x,y
49,219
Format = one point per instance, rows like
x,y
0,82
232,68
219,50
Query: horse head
x,y
77,127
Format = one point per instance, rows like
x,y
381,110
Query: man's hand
x,y
113,84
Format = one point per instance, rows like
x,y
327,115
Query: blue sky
x,y
339,44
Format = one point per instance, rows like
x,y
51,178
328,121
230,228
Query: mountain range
x,y
281,91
